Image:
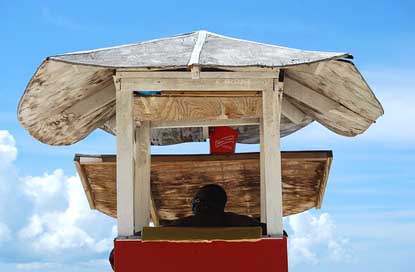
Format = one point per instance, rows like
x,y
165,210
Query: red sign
x,y
223,140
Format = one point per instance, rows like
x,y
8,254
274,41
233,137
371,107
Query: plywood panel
x,y
195,108
175,180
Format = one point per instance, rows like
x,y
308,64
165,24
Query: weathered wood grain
x,y
189,84
45,110
52,112
126,172
195,108
270,156
85,184
335,94
142,191
175,180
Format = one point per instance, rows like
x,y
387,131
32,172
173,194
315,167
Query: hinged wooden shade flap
x,y
176,178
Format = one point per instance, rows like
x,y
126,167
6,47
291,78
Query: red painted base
x,y
268,254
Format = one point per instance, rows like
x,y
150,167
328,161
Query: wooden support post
x,y
153,212
263,201
271,156
125,161
142,190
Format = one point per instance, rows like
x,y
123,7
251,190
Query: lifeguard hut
x,y
175,90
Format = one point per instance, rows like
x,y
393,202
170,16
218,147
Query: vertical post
x,y
142,190
263,200
271,156
125,160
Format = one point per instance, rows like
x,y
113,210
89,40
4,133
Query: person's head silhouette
x,y
209,199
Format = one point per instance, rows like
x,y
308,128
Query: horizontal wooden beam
x,y
166,109
91,103
311,155
195,111
189,84
219,68
308,96
201,75
311,68
208,94
293,113
205,123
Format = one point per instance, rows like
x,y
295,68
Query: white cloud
x,y
5,233
43,188
95,263
114,230
55,222
8,150
33,229
55,230
8,154
314,238
37,266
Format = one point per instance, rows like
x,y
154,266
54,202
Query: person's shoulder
x,y
182,222
240,220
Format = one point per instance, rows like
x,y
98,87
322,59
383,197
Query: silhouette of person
x,y
208,207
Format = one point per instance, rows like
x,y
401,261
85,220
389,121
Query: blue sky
x,y
368,217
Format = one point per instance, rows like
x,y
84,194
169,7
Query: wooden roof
x,y
176,178
71,95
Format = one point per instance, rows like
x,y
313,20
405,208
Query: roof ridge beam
x,y
197,49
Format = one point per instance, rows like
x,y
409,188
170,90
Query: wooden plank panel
x,y
329,112
341,82
195,108
176,178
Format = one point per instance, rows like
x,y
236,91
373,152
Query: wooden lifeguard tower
x,y
194,82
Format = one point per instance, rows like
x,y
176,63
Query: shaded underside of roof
x,y
54,107
176,178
